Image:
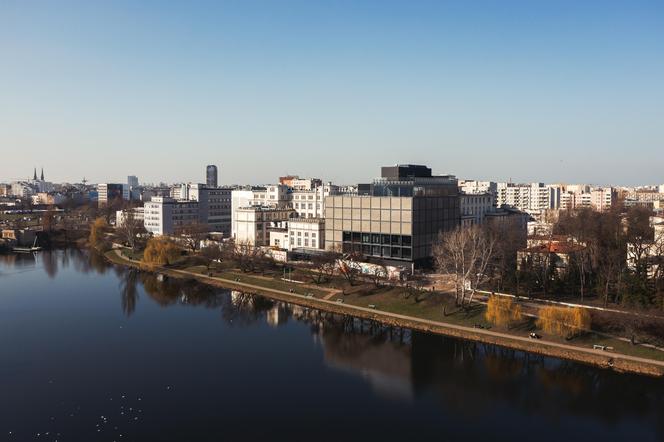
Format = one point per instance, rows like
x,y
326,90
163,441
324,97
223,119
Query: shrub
x,y
565,322
160,251
503,311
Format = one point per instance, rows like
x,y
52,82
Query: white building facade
x,y
163,216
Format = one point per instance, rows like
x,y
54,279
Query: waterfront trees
x,y
192,234
131,229
323,266
160,251
503,311
565,322
98,230
465,253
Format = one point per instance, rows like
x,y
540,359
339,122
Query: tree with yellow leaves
x,y
565,322
97,230
503,311
160,251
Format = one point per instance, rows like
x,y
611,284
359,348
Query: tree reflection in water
x,y
468,377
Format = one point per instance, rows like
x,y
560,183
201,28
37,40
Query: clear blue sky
x,y
533,90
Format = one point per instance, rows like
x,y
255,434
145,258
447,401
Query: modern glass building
x,y
396,218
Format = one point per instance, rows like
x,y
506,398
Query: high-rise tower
x,y
211,175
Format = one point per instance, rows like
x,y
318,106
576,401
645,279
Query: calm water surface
x,y
92,352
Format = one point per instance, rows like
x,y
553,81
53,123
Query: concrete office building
x,y
299,233
163,216
214,206
121,215
211,175
267,196
395,219
253,223
107,192
474,207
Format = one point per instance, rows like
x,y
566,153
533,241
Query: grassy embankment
x,y
433,306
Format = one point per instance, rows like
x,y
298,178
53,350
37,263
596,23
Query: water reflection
x,y
467,378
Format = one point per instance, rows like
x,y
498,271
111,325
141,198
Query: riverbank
x,y
317,298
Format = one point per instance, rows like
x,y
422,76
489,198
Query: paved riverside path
x,y
497,338
435,324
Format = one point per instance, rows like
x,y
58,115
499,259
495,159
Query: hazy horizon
x,y
561,92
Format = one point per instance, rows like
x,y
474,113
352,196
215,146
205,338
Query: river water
x,y
94,352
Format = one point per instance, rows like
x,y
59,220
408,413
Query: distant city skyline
x,y
201,178
533,91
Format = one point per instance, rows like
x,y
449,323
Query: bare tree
x,y
378,274
466,253
349,267
192,234
414,287
212,253
323,266
248,257
130,228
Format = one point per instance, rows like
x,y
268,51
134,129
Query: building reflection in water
x,y
468,377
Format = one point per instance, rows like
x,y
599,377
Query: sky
x,y
524,90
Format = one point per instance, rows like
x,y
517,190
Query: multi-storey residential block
x,y
471,187
535,197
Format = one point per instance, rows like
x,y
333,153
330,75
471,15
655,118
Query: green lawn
x,y
432,306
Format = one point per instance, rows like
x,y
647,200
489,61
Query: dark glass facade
x,y
211,176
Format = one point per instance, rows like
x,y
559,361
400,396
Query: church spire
x,y
35,175
42,174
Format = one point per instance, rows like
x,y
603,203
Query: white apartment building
x,y
311,203
139,215
164,215
535,197
276,195
21,189
577,196
180,192
474,207
253,223
305,183
299,233
478,187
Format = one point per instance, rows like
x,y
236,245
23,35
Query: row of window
x,y
378,251
377,238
